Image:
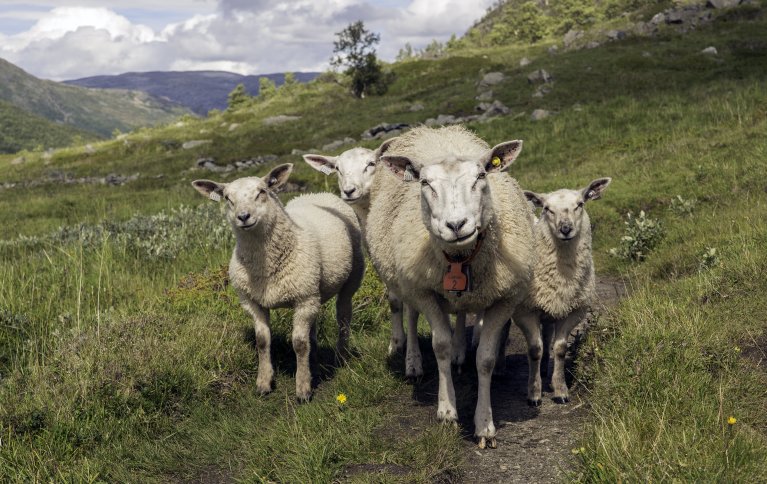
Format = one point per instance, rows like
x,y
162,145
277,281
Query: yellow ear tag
x,y
496,161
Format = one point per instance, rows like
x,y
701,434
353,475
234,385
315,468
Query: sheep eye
x,y
229,200
424,183
580,205
261,192
547,209
481,176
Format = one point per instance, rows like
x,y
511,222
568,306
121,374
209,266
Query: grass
x,y
124,354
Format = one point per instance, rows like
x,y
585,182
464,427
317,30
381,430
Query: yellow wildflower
x,y
737,349
732,420
341,399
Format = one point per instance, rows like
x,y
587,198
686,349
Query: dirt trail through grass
x,y
534,444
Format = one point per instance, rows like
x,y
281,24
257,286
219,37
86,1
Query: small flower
x,y
737,349
732,420
341,399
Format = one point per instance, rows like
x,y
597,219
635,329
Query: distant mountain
x,y
20,130
200,91
95,110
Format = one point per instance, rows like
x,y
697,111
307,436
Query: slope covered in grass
x,y
126,357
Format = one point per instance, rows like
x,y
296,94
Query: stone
x,y
658,18
279,119
711,50
497,108
296,151
372,133
180,124
542,90
571,37
491,79
539,114
337,144
524,62
539,76
89,149
416,107
719,4
553,49
195,143
18,160
616,34
593,44
484,96
233,126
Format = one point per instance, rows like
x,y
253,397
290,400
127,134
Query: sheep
x,y
356,169
294,256
563,286
463,209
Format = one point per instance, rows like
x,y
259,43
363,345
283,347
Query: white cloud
x,y
245,36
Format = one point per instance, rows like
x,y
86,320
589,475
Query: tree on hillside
x,y
355,49
266,88
238,97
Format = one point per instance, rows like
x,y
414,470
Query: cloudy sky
x,y
60,39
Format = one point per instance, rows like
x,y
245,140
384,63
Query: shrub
x,y
642,235
682,207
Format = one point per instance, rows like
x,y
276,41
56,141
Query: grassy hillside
x,y
20,130
93,110
124,354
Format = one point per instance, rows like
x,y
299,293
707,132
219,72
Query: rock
x,y
233,126
337,144
372,133
524,62
539,76
553,49
195,143
115,180
180,124
89,149
497,108
18,160
616,34
484,96
542,90
279,119
571,37
121,137
416,107
719,4
593,44
539,114
491,79
658,18
675,17
709,51
296,151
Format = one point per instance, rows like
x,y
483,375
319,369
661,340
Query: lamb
x,y
563,285
462,213
294,256
356,169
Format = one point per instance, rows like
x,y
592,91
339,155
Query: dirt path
x,y
534,444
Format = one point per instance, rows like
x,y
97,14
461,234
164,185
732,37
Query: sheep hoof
x,y
304,398
560,400
482,443
493,444
534,403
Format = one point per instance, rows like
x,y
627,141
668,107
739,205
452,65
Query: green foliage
x,y
266,88
683,207
708,259
355,49
642,235
20,130
574,14
238,98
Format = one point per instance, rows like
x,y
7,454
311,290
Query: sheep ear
x,y
278,176
533,197
402,167
323,164
384,147
210,189
502,156
595,189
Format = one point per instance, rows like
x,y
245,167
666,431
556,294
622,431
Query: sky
x,y
70,39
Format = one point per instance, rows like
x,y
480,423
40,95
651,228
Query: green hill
x,y
124,355
20,130
94,110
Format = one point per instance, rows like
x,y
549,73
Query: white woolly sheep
x,y
461,209
562,289
294,256
356,169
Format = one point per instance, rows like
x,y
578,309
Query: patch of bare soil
x,y
534,444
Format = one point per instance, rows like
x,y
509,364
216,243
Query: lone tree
x,y
238,97
355,49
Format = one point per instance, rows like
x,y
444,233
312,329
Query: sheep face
x,y
456,204
249,200
355,169
562,210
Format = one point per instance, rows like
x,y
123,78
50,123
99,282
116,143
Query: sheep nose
x,y
566,229
243,216
350,192
456,226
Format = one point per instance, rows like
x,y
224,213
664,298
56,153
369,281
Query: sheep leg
x,y
413,364
343,318
397,342
531,328
487,353
548,336
563,329
441,342
500,361
477,333
263,344
459,340
304,317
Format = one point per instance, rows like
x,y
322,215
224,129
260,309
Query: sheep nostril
x,y
565,229
349,193
456,226
243,216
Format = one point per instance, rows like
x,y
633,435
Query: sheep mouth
x,y
459,240
351,200
250,226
